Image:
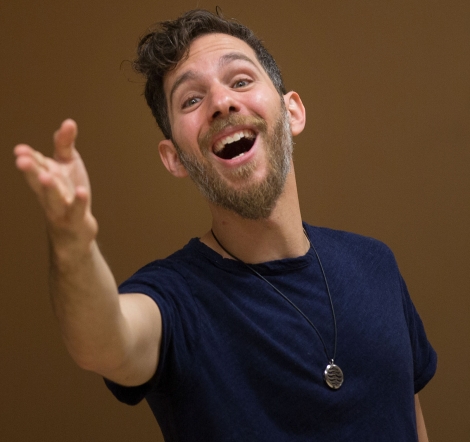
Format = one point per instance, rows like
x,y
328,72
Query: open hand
x,y
61,185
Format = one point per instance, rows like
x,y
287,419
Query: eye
x,y
241,83
191,102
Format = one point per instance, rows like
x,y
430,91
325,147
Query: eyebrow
x,y
188,75
233,56
193,75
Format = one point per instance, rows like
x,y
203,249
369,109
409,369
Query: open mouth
x,y
235,145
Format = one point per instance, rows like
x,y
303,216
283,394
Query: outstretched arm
x,y
115,336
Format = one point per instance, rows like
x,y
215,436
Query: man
x,y
265,328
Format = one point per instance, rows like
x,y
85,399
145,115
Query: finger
x,y
48,189
22,149
56,204
54,193
64,213
30,172
64,140
81,203
30,161
32,164
23,152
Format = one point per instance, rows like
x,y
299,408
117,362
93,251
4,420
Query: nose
x,y
223,101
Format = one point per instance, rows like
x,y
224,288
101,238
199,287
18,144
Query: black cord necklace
x,y
333,375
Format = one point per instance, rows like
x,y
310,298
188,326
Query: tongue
x,y
236,148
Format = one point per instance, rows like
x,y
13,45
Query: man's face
x,y
230,126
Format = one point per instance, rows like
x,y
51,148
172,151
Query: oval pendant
x,y
333,376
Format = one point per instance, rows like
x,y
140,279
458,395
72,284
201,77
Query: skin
x,y
116,335
112,335
280,235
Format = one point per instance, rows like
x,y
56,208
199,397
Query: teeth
x,y
232,138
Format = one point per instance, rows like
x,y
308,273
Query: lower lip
x,y
240,160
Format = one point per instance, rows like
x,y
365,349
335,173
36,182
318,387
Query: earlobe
x,y
296,110
170,159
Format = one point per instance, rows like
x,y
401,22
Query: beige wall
x,y
385,153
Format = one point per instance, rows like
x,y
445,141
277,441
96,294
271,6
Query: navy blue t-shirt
x,y
238,363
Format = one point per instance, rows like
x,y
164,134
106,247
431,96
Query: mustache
x,y
219,125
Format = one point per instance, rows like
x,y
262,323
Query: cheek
x,y
265,103
184,132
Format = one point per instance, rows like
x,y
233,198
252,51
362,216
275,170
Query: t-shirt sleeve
x,y
424,356
172,295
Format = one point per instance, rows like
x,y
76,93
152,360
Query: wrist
x,y
68,248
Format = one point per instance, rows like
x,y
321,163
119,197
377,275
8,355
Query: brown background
x,y
385,154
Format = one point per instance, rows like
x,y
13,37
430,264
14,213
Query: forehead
x,y
206,50
213,44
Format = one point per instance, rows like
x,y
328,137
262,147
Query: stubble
x,y
253,200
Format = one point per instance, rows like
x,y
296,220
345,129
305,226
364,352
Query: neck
x,y
254,241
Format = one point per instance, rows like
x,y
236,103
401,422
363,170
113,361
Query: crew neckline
x,y
284,264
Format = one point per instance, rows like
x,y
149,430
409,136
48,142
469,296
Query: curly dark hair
x,y
161,49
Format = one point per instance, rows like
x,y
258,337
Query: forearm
x,y
85,300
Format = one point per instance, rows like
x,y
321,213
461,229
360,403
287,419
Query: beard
x,y
254,200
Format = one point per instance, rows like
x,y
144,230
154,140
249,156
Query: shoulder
x,y
173,262
347,241
163,275
351,250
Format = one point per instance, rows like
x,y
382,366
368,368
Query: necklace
x,y
333,375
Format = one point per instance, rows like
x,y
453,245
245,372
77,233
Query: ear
x,y
296,110
170,159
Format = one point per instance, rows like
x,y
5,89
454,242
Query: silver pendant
x,y
333,376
